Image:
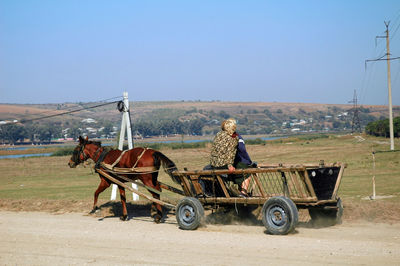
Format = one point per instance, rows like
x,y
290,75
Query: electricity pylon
x,y
355,124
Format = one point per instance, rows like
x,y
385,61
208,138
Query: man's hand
x,y
231,168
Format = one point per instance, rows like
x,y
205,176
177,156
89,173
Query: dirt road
x,y
34,238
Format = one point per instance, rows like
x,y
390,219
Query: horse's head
x,y
78,156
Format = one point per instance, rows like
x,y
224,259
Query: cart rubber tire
x,y
189,213
279,215
329,217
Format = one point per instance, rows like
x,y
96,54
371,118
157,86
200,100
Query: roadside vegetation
x,y
381,128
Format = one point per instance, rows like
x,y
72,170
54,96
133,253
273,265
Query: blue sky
x,y
282,51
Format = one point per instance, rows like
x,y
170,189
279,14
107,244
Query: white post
x,y
373,177
125,126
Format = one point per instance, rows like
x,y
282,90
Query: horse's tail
x,y
168,165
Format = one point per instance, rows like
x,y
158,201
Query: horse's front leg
x,y
102,186
124,216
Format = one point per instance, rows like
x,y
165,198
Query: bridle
x,y
81,156
78,154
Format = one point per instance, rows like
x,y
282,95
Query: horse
x,y
136,157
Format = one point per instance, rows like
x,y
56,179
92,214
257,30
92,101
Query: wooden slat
x,y
295,181
195,182
338,180
186,186
116,181
308,183
260,188
315,203
171,188
221,182
285,186
257,200
237,171
127,179
162,185
307,165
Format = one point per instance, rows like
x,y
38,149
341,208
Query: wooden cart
x,y
280,189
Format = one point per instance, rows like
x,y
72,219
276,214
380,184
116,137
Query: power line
x,y
69,112
395,22
66,108
370,73
60,114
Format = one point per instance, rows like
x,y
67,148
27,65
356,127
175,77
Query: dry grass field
x,y
48,184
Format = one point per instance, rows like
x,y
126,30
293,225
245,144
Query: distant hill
x,y
195,117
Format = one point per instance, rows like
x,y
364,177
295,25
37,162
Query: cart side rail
x,y
290,182
265,182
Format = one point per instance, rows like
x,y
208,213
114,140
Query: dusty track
x,y
37,238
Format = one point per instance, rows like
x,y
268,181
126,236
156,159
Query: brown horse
x,y
137,157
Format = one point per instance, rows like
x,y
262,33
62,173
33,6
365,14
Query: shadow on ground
x,y
113,209
252,216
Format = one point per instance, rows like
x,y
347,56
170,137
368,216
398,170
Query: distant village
x,y
189,122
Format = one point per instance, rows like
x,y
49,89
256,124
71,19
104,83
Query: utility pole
x,y
125,124
356,119
389,82
390,89
123,107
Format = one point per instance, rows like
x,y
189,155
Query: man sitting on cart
x,y
243,161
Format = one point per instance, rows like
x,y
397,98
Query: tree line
x,y
381,128
148,128
46,132
162,122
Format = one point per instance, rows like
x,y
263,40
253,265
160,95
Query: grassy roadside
x,y
48,184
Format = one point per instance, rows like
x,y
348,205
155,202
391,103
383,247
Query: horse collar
x,y
101,158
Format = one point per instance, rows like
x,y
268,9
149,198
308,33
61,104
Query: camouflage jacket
x,y
223,149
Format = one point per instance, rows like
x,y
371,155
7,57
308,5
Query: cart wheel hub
x,y
277,216
187,214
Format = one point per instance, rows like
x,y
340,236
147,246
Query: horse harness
x,y
101,158
111,167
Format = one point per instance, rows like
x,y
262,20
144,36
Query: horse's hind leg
x,y
157,216
124,216
156,209
102,186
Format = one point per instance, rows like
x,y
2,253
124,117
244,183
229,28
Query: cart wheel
x,y
279,215
189,213
327,216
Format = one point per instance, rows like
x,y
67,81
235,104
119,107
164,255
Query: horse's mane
x,y
97,143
